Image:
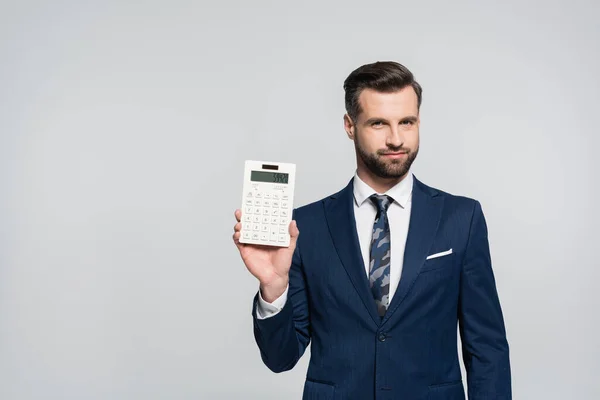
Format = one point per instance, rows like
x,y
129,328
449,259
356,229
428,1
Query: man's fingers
x,y
238,215
237,227
236,240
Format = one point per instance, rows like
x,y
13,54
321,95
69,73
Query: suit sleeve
x,y
484,344
282,338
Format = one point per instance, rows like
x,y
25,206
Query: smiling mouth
x,y
399,154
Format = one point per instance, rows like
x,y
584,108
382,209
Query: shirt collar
x,y
400,192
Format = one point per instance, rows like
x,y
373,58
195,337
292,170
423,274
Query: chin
x,y
396,172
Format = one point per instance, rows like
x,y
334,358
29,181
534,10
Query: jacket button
x,y
382,337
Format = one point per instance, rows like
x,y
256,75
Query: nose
x,y
395,137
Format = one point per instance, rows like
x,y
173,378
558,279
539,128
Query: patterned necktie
x,y
379,268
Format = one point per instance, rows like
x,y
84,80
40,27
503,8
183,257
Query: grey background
x,y
123,131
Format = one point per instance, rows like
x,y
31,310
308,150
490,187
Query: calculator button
x,y
256,210
249,202
282,238
266,220
246,235
264,236
249,194
255,236
276,204
285,197
282,229
267,203
275,196
257,203
264,228
283,221
284,204
249,210
256,227
284,213
274,220
247,218
273,236
266,211
258,195
267,195
256,219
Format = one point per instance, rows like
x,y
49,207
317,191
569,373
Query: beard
x,y
394,168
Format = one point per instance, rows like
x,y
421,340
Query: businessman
x,y
384,272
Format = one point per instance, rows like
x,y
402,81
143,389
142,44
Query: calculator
x,y
267,203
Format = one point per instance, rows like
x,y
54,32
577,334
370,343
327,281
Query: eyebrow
x,y
410,118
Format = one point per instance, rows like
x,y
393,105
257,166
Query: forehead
x,y
397,104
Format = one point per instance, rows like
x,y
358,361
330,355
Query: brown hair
x,y
382,76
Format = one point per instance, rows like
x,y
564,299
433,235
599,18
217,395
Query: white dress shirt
x,y
365,212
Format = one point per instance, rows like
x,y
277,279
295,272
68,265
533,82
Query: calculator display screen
x,y
270,177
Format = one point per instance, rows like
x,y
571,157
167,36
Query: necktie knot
x,y
382,202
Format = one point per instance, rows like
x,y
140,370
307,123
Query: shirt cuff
x,y
265,310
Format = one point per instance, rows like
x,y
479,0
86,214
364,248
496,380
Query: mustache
x,y
393,150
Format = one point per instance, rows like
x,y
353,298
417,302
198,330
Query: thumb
x,y
294,232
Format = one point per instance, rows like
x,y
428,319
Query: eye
x,y
408,122
376,123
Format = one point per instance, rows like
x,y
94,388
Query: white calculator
x,y
267,203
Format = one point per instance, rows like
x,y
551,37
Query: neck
x,y
379,184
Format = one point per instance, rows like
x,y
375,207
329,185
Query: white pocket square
x,y
443,253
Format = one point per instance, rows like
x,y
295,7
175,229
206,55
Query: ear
x,y
349,126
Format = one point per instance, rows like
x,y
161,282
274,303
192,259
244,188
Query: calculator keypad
x,y
266,217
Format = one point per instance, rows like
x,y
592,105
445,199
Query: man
x,y
384,271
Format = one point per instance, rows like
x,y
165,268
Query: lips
x,y
394,155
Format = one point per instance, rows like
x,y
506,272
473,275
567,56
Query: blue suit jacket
x,y
411,353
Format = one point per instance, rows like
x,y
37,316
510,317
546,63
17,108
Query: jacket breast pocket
x,y
318,391
445,261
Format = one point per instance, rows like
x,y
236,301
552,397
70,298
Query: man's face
x,y
386,132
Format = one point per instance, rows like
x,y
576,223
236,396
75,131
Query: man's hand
x,y
270,265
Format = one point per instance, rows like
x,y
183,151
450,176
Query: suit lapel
x,y
339,211
424,219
